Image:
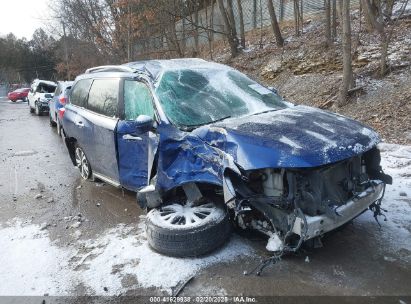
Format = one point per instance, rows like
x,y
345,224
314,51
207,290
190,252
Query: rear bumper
x,y
44,106
320,224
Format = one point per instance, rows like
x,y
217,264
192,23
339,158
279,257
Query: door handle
x,y
79,124
131,137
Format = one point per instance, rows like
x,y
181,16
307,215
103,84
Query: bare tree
x,y
230,31
241,23
378,15
274,24
327,4
334,19
348,78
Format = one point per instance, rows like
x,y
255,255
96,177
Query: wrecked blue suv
x,y
204,146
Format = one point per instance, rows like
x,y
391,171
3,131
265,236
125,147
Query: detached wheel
x,y
186,230
82,163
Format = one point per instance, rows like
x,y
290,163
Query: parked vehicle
x,y
201,143
19,94
41,92
57,102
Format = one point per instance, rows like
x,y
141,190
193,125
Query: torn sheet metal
x,y
296,137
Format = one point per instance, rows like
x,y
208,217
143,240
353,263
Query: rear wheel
x,y
183,230
82,162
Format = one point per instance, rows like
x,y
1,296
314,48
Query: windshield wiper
x,y
272,110
206,123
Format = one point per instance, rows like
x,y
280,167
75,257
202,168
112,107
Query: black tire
x,y
189,242
31,109
37,109
52,123
84,167
59,128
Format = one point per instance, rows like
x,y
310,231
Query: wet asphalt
x,y
38,183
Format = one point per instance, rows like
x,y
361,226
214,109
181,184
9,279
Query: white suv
x,y
41,91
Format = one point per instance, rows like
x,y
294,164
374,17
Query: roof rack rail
x,y
109,68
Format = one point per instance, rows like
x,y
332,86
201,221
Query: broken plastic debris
x,y
274,243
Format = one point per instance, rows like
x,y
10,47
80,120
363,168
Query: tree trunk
x,y
254,14
196,46
375,20
334,21
230,30
301,15
296,17
348,79
281,10
274,23
327,5
241,20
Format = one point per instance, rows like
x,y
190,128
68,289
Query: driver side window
x,y
137,100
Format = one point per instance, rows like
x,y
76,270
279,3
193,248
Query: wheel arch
x,y
70,144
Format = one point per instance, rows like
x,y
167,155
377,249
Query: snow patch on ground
x,y
30,263
118,260
396,231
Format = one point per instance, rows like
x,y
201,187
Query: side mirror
x,y
144,124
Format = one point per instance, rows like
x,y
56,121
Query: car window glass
x,y
193,97
137,100
103,97
79,93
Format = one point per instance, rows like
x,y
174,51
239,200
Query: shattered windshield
x,y
201,96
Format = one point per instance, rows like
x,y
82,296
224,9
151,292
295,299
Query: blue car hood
x,y
294,137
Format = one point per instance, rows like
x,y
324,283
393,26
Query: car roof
x,y
151,68
47,82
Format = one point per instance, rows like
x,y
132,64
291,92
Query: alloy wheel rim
x,y
186,215
82,163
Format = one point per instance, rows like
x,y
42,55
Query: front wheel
x,y
31,109
37,109
82,163
52,123
59,128
187,230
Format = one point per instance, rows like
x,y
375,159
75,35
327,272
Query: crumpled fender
x,y
185,157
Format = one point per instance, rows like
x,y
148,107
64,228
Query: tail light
x,y
61,113
63,100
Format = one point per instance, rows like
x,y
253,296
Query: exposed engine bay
x,y
295,205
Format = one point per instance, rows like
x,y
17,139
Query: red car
x,y
18,94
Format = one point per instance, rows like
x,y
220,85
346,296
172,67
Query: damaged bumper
x,y
320,224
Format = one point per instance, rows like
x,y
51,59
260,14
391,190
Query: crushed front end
x,y
293,205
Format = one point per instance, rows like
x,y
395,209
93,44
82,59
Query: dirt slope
x,y
305,71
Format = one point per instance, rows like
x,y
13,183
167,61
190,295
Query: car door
x,y
136,139
102,115
74,123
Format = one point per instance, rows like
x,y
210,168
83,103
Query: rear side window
x,y
103,97
137,100
79,93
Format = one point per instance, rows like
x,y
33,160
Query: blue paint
x,y
132,155
296,137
